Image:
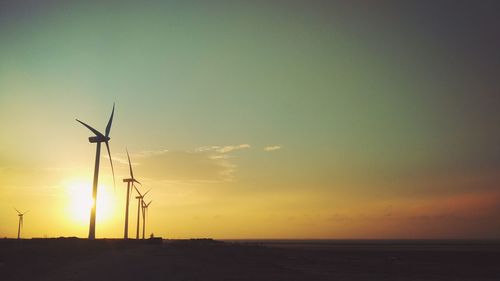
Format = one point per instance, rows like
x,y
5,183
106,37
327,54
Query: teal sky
x,y
385,110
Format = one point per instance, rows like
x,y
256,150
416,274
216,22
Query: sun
x,y
80,202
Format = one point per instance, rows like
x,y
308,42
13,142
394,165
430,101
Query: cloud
x,y
230,148
184,166
146,153
122,157
223,149
208,164
272,148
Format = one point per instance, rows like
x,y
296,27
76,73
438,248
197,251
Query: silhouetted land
x,y
108,259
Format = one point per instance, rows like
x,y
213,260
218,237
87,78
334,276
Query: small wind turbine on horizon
x,y
144,216
20,224
130,182
98,139
140,199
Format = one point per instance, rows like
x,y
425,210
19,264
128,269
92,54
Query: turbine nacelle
x,y
96,139
132,180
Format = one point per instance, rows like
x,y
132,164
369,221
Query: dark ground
x,y
79,259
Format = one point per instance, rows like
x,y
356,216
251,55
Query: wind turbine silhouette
x,y
130,182
20,224
144,216
139,198
98,139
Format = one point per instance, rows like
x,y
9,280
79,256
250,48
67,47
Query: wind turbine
x,y
130,182
98,139
20,224
139,198
144,215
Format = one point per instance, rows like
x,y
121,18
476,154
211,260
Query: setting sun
x,y
80,201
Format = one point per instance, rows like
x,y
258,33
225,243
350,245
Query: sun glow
x,y
80,202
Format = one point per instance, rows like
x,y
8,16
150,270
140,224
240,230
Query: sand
x,y
79,259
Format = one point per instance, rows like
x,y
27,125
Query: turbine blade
x,y
26,212
137,181
130,165
108,127
17,211
96,132
111,161
149,203
137,189
146,192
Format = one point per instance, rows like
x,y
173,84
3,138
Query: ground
x,y
80,259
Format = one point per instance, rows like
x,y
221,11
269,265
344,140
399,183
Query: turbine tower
x,y
130,182
20,224
98,139
139,198
144,216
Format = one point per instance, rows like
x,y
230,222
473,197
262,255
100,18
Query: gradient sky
x,y
269,119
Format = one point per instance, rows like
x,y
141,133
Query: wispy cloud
x,y
230,148
122,157
272,148
223,149
187,166
146,153
208,164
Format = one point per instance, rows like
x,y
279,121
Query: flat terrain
x,y
79,259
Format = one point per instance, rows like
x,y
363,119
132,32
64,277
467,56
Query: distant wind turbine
x,y
130,182
144,216
98,139
139,198
20,224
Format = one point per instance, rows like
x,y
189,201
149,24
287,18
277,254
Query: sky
x,y
253,119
